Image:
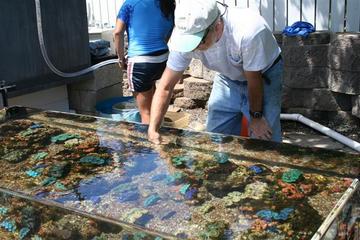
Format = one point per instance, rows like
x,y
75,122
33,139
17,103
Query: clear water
x,y
198,186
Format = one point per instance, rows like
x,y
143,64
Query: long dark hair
x,y
167,8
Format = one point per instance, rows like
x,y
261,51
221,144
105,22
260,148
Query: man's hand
x,y
260,129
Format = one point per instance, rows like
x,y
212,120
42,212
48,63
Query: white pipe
x,y
325,130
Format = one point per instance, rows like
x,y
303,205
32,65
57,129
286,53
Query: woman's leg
x,y
142,77
143,100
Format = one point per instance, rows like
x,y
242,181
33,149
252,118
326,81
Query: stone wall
x,y
321,76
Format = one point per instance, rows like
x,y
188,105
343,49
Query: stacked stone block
x,y
321,74
195,95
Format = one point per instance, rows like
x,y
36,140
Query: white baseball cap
x,y
192,18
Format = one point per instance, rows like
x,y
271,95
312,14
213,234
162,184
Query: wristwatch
x,y
256,114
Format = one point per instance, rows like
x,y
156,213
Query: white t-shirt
x,y
247,43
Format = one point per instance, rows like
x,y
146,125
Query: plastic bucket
x,y
119,109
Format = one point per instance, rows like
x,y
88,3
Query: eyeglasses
x,y
225,6
203,40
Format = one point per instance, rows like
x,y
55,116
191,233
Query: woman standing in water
x,y
148,24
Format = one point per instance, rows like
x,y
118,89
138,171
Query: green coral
x,y
221,157
232,198
63,137
206,208
184,188
180,161
16,156
256,190
93,160
291,176
39,156
214,230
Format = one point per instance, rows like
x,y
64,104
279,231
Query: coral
x,y
270,215
232,198
23,232
151,200
32,173
214,230
221,157
181,161
63,137
205,208
16,156
93,160
167,215
290,190
9,225
36,126
256,190
48,181
256,169
3,211
129,196
176,178
39,155
291,176
191,193
60,186
184,188
59,170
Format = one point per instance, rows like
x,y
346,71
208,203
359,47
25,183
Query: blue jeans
x,y
229,101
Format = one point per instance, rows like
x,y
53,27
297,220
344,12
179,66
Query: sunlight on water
x,y
198,186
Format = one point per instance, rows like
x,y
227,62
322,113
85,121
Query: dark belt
x,y
267,80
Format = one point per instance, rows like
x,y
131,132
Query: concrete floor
x,y
314,140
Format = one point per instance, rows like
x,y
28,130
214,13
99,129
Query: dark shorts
x,y
142,76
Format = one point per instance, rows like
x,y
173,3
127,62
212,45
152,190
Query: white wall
x,y
277,13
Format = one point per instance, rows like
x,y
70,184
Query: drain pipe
x,y
321,128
